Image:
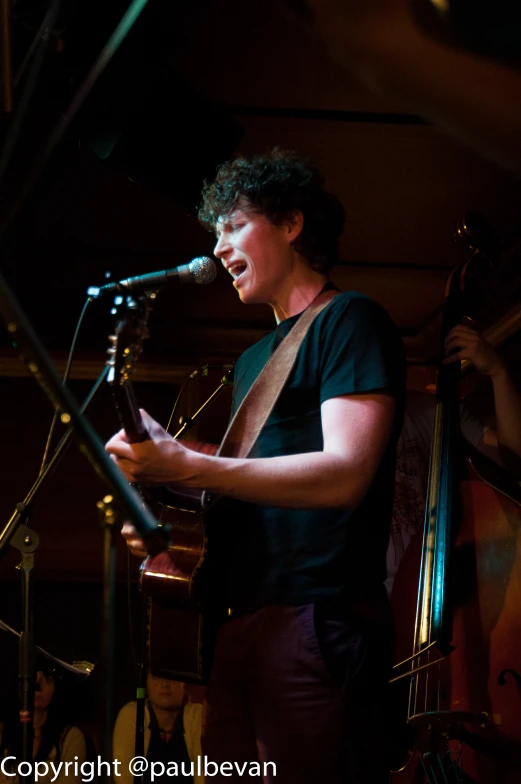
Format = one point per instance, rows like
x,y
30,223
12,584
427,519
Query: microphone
x,y
199,270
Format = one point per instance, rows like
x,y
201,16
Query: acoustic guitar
x,y
179,629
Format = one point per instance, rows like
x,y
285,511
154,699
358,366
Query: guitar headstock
x,y
126,344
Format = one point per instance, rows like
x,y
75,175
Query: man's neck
x,y
297,294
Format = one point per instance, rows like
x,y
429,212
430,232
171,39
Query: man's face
x,y
164,693
256,253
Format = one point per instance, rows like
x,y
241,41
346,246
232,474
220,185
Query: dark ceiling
x,y
191,84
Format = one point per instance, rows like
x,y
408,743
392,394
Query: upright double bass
x,y
457,604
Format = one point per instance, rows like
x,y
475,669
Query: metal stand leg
x,y
26,541
139,750
108,519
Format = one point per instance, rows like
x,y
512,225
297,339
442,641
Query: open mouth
x,y
236,270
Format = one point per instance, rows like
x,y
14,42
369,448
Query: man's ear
x,y
294,224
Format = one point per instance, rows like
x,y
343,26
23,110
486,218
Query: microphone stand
x,y
44,372
25,340
17,533
22,508
141,694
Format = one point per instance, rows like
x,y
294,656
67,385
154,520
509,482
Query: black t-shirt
x,y
269,555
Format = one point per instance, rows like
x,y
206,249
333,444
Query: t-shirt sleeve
x,y
362,351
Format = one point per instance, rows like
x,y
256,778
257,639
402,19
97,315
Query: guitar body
x,y
171,580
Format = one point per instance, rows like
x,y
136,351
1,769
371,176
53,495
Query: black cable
x,y
31,178
227,380
130,621
42,35
65,379
180,394
32,78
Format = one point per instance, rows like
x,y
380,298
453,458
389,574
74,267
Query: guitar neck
x,y
129,414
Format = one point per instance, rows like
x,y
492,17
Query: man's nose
x,y
222,247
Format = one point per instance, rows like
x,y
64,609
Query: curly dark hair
x,y
275,185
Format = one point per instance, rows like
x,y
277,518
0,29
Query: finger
x,y
155,430
114,440
457,344
117,462
466,326
462,334
454,358
147,419
463,340
137,548
127,467
135,542
120,449
129,530
461,331
131,537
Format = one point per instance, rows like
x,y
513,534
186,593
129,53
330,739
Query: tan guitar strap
x,y
256,407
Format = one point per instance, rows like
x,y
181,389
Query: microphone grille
x,y
203,269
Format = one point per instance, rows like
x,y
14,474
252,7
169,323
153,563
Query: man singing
x,y
301,665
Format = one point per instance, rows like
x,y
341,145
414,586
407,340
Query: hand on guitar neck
x,y
157,460
150,462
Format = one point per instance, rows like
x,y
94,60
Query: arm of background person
x,y
466,343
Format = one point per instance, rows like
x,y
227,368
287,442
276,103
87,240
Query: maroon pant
x,y
304,690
